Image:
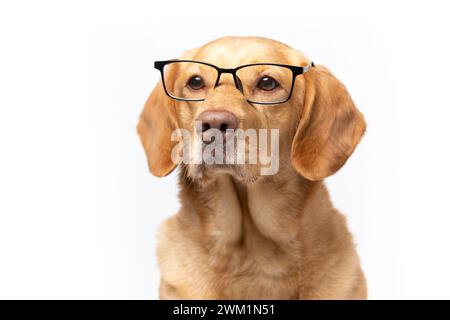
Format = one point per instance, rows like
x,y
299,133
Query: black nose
x,y
221,120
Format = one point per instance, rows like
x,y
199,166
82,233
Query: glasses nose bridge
x,y
233,74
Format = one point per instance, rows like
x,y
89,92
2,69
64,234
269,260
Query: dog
x,y
241,234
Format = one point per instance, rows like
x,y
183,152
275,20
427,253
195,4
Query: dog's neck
x,y
237,214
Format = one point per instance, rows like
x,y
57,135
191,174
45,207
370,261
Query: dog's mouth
x,y
222,157
241,172
245,154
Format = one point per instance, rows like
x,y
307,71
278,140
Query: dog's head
x,y
315,130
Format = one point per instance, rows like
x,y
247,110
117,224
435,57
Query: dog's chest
x,y
257,271
260,280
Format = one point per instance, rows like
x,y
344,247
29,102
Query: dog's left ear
x,y
329,129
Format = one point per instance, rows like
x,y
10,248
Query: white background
x,y
78,208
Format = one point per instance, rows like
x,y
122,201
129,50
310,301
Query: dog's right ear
x,y
157,122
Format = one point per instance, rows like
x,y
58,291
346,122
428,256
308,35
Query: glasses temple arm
x,y
308,67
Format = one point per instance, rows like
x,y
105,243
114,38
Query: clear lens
x,y
189,80
265,83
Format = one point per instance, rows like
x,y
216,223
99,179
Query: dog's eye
x,y
267,83
196,83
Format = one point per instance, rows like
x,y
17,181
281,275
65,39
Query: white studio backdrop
x,y
78,208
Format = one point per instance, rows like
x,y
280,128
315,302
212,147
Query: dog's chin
x,y
207,172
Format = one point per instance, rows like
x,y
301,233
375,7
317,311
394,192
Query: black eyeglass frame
x,y
296,70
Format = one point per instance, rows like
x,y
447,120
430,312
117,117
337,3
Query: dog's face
x,y
316,130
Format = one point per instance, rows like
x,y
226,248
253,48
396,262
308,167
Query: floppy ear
x,y
156,124
330,126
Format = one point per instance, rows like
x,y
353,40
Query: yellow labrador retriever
x,y
242,232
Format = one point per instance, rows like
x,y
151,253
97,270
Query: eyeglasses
x,y
260,83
